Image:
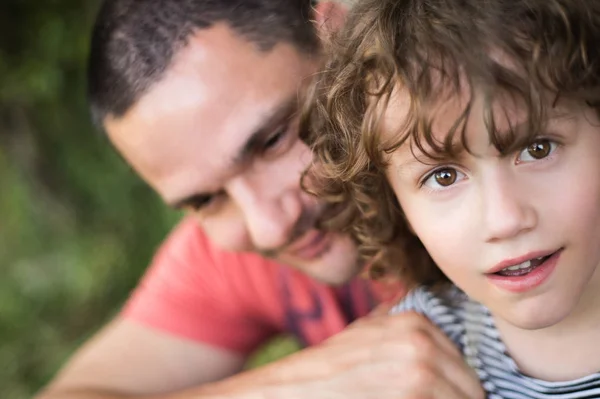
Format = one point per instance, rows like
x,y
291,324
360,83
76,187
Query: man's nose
x,y
270,216
506,208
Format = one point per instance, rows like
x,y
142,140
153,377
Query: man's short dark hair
x,y
134,41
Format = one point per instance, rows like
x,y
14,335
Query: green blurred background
x,y
78,228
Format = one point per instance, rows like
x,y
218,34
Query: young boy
x,y
459,141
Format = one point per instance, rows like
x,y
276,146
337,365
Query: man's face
x,y
218,137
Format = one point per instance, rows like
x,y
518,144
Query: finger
x,y
446,389
385,307
398,380
419,331
428,381
432,345
417,340
462,377
412,332
382,309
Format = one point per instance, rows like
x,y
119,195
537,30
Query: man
x,y
201,98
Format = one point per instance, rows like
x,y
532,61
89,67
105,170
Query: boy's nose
x,y
507,211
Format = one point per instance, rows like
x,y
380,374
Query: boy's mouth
x,y
524,267
525,273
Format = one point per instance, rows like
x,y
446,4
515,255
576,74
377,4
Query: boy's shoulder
x,y
446,306
432,300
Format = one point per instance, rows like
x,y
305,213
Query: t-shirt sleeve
x,y
418,300
443,307
187,292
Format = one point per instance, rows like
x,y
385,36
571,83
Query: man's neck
x,y
565,351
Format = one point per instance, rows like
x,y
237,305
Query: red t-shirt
x,y
239,300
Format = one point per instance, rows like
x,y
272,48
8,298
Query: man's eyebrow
x,y
280,115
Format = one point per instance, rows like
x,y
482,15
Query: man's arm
x,y
129,359
183,326
387,357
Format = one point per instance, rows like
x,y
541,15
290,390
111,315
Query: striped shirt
x,y
471,327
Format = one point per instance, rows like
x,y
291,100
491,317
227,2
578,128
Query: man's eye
x,y
198,204
537,150
274,139
204,202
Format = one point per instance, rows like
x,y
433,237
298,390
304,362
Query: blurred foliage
x,y
273,350
78,227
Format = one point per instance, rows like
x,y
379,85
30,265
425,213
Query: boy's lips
x,y
524,273
310,246
539,255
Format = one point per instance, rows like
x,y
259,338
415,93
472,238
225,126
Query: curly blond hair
x,y
432,50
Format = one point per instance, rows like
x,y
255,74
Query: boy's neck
x,y
565,351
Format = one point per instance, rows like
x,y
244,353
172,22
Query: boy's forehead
x,y
448,93
403,110
468,111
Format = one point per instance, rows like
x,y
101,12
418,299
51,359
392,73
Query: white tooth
x,y
523,265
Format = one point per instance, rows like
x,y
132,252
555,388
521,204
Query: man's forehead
x,y
183,132
188,151
218,64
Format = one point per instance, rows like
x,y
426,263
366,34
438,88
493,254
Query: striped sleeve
x,y
439,309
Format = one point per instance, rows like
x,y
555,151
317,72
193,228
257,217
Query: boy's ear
x,y
329,17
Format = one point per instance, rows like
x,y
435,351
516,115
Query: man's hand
x,y
379,357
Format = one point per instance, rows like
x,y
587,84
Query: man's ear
x,y
329,17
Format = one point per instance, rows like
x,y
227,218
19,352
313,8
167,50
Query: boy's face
x,y
536,210
218,136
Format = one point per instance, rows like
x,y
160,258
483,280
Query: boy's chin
x,y
532,314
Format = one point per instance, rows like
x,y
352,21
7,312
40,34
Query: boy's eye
x,y
444,177
537,150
